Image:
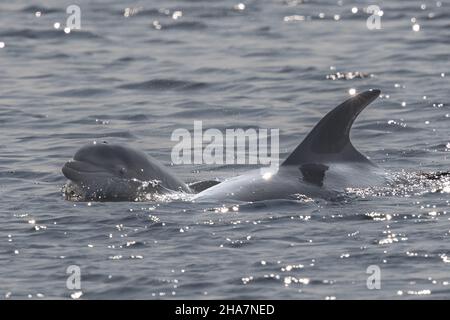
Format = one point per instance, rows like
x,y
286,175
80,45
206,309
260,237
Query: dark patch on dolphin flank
x,y
314,173
202,185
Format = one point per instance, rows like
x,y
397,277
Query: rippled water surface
x,y
133,76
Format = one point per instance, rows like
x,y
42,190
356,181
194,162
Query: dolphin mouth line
x,y
81,171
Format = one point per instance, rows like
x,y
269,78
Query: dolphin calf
x,y
109,172
323,165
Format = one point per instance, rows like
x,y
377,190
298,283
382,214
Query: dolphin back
x,y
329,141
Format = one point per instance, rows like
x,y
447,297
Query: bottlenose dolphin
x,y
109,172
323,165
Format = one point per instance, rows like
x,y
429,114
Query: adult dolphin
x,y
323,165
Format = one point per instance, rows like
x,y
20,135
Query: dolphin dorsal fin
x,y
329,141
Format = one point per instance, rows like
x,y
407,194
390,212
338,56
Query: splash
x,y
407,184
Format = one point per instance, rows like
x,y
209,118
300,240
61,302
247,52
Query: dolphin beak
x,y
71,170
80,171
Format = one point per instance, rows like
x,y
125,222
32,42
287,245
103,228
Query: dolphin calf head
x,y
108,172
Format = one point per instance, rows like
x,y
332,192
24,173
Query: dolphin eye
x,y
122,171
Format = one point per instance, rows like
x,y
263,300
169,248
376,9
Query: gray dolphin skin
x,y
323,165
108,172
